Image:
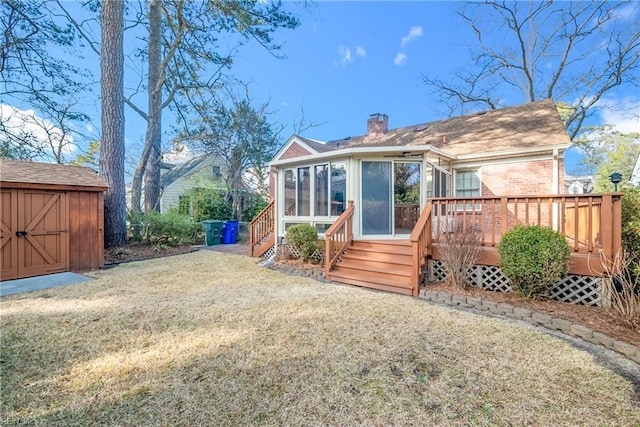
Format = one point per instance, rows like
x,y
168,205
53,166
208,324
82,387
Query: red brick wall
x,y
295,150
272,185
524,178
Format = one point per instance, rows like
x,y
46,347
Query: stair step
x,y
382,249
375,265
392,258
373,274
381,283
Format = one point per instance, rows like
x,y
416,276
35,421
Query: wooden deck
x,y
591,224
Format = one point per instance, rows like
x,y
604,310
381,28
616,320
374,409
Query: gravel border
x,y
483,306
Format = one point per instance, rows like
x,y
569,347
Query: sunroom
x,y
390,187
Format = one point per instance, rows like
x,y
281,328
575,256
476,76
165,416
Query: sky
x,y
349,60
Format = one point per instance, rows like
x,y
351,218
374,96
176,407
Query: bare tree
x,y
242,137
112,149
575,52
45,86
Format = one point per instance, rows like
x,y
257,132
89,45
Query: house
x,y
203,171
381,199
578,184
635,175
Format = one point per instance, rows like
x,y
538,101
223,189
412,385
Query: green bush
x,y
303,238
256,205
631,226
171,228
533,258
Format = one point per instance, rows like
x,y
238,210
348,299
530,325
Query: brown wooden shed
x,y
51,219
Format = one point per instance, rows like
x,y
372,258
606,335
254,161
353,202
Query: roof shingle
x,y
16,171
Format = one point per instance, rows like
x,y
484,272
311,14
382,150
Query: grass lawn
x,y
211,339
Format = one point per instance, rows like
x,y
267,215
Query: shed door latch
x,y
21,233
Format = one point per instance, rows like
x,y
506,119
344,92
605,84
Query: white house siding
x,y
201,176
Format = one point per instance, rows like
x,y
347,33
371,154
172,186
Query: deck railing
x,y
338,237
261,226
420,244
591,223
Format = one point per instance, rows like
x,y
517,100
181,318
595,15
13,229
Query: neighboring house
x,y
578,184
383,200
206,170
635,175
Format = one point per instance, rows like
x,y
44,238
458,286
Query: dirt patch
x,y
597,318
136,251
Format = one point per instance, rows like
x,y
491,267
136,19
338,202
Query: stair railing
x,y
338,237
420,243
261,226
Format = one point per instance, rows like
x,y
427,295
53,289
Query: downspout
x,y
555,188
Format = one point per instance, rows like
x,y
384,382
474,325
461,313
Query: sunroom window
x,y
315,190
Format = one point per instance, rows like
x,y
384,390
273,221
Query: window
x,y
216,172
289,192
338,188
467,184
184,205
322,190
304,192
315,190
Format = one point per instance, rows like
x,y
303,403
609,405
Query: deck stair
x,y
380,264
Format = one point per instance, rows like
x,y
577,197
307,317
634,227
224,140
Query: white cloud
x,y
345,55
40,133
623,115
414,33
400,59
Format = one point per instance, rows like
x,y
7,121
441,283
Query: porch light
x,y
615,178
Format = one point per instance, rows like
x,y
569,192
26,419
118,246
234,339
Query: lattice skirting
x,y
286,251
572,288
269,253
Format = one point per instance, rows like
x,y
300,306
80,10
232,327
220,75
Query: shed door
x,y
8,242
35,236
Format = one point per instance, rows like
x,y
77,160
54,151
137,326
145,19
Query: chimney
x,y
377,124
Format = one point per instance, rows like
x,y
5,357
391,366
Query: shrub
x,y
171,228
461,251
304,238
256,205
621,287
631,227
533,258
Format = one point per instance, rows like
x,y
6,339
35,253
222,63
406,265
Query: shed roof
x,y
17,173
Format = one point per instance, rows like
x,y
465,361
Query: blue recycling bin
x,y
230,232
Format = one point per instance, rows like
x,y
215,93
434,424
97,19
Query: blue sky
x,y
352,59
346,61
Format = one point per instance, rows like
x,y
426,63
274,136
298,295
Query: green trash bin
x,y
212,232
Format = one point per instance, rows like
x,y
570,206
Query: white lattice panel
x,y
576,289
572,288
269,253
493,279
438,272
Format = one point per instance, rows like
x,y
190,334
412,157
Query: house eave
x,y
360,151
550,149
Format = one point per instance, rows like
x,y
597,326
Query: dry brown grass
x,y
211,339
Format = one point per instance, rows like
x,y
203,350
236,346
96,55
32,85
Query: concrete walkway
x,y
29,284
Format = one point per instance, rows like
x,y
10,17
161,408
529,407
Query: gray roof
x,y
184,169
532,125
14,172
320,147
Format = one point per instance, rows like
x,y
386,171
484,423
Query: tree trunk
x,y
154,129
112,149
